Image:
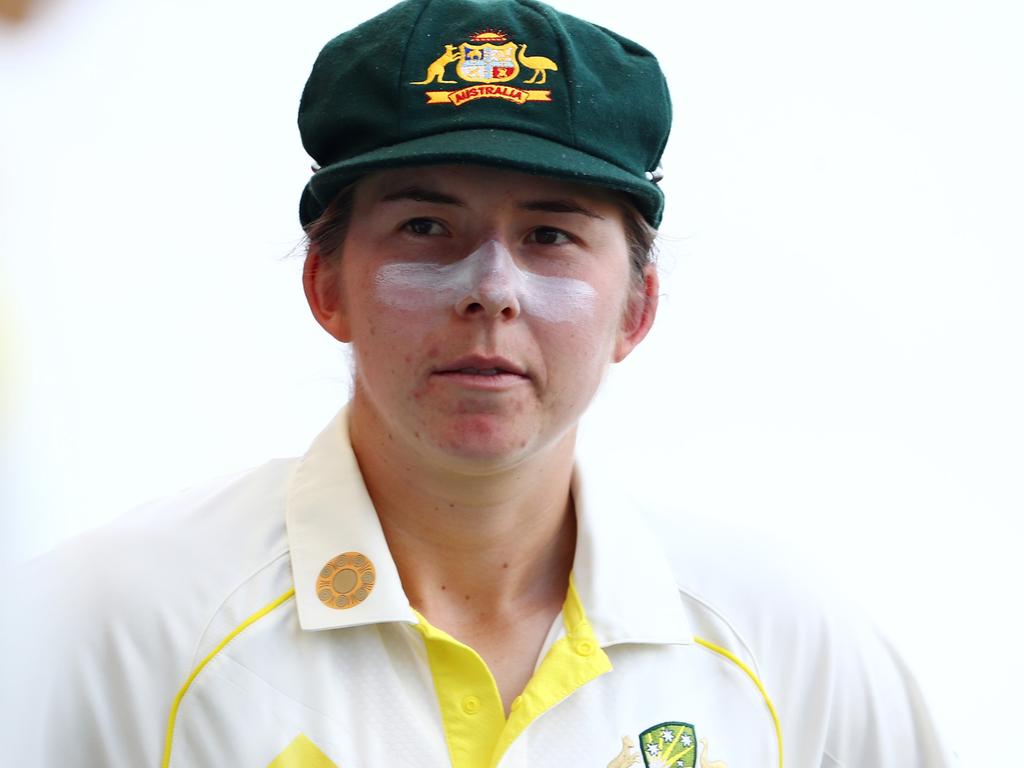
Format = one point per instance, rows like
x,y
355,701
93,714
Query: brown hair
x,y
327,232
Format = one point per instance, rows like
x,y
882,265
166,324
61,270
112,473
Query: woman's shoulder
x,y
819,656
169,556
748,590
753,584
148,554
119,614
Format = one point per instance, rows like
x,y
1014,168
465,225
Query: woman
x,y
435,582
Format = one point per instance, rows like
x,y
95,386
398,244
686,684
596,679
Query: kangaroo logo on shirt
x,y
486,61
627,757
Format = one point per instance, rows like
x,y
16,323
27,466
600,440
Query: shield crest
x,y
488,63
669,745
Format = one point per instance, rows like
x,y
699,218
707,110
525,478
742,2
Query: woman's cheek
x,y
559,300
410,288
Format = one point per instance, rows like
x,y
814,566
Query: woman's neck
x,y
484,547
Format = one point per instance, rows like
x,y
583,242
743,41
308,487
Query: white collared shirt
x,y
194,633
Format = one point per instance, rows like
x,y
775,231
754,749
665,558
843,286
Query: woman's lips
x,y
475,365
481,380
482,372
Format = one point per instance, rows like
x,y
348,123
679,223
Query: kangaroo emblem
x,y
435,72
626,757
704,762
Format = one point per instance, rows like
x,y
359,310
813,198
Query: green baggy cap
x,y
507,83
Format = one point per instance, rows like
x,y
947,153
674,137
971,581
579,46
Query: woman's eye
x,y
549,236
424,227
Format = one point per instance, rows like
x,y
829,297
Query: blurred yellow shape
x,y
302,753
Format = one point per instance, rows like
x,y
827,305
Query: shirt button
x,y
471,705
585,648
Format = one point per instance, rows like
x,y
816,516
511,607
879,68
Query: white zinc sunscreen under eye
x,y
489,273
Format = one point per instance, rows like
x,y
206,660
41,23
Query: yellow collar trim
x,y
476,730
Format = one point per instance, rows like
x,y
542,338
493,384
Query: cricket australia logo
x,y
490,61
669,745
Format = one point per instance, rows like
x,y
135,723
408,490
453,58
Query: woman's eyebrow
x,y
422,195
559,206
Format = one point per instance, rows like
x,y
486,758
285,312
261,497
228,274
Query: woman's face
x,y
484,307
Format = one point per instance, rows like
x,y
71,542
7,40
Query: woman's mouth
x,y
483,373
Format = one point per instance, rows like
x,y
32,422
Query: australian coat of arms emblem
x,y
486,65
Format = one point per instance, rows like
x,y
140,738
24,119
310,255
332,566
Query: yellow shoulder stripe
x,y
199,667
750,673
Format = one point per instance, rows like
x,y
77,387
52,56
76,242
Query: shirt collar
x,y
329,513
621,575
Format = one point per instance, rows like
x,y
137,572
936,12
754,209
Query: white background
x,y
837,366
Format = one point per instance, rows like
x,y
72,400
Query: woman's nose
x,y
492,285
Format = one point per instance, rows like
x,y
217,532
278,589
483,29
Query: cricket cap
x,y
510,84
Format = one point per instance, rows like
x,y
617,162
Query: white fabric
x,y
109,627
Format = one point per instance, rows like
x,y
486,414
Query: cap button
x,y
656,175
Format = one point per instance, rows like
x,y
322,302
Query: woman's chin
x,y
481,445
483,440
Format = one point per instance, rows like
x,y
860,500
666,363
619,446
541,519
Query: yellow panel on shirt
x,y
302,753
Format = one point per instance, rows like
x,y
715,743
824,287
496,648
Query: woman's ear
x,y
638,316
321,280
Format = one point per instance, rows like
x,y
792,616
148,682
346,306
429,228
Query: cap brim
x,y
483,146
